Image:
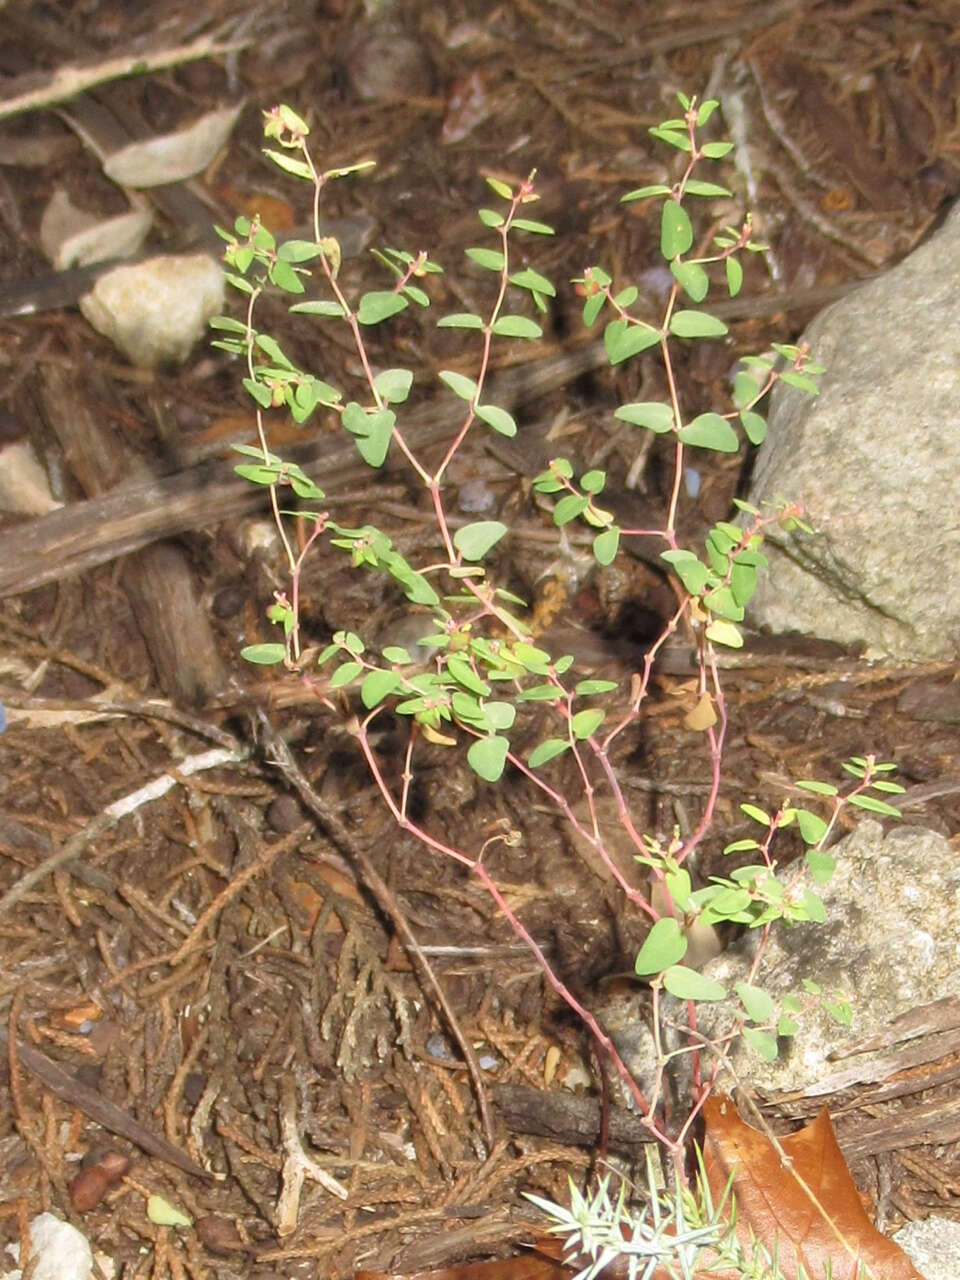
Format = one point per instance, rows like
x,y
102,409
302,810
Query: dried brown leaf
x,y
827,1228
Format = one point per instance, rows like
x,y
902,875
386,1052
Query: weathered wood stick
x,y
133,515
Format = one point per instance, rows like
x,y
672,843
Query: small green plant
x,y
480,667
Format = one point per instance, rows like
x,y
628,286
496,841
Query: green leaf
x,y
710,431
497,419
534,281
623,340
761,1042
487,757
716,150
676,230
569,507
344,674
758,1004
818,788
490,217
462,671
489,259
800,381
373,431
723,604
822,865
539,693
754,426
734,276
664,945
678,886
740,846
696,188
720,631
379,305
463,387
536,228
693,279
319,308
473,541
585,723
298,251
264,655
288,164
812,826
811,908
696,324
757,814
226,324
874,806
588,687
671,137
163,1214
547,750
378,685
516,327
593,481
238,282
263,395
500,715
644,193
606,545
651,414
285,277
462,320
393,385
787,1026
500,188
687,984
592,308
396,653
691,571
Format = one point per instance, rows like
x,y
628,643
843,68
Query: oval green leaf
x,y
487,757
379,305
376,686
696,324
710,431
687,984
546,751
663,946
473,541
651,414
264,655
676,230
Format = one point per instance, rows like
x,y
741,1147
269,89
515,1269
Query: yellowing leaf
x,y
703,715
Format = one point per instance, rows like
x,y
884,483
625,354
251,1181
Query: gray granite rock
x,y
933,1246
875,459
889,945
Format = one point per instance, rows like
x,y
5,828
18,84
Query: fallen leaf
x,y
773,1207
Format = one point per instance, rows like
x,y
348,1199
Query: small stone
x,y
227,603
379,64
155,311
284,815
